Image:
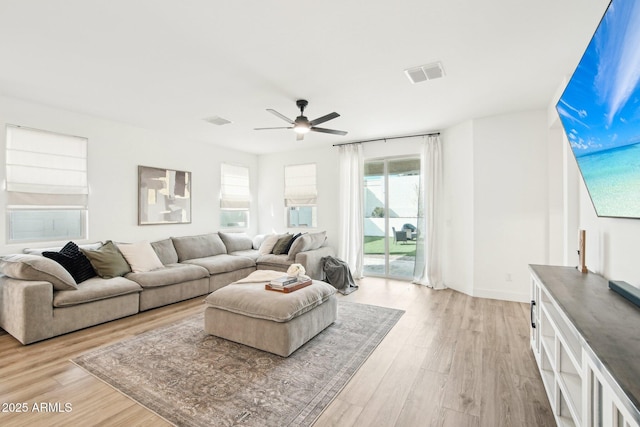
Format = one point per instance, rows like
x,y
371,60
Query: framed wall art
x,y
164,196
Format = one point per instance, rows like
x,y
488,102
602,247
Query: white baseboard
x,y
501,295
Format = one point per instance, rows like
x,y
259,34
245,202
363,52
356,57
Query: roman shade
x,y
45,168
300,185
234,190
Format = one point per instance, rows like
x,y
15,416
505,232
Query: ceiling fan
x,y
302,125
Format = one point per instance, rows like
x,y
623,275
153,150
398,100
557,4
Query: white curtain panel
x,y
428,267
350,245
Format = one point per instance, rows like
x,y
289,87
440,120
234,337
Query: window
x,y
235,196
47,188
300,195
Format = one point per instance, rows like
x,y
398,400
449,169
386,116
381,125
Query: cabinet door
x,y
605,409
535,315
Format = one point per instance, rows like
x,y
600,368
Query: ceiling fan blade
x,y
323,119
299,137
331,131
282,116
284,127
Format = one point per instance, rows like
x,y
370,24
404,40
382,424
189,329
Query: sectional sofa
x,y
39,299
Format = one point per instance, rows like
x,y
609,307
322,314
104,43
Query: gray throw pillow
x,y
35,267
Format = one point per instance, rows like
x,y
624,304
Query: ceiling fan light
x,y
301,129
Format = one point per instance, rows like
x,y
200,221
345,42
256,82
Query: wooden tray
x,y
289,289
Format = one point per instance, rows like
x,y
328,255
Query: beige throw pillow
x,y
268,243
140,256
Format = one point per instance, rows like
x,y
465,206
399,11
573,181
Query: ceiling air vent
x,y
425,72
217,120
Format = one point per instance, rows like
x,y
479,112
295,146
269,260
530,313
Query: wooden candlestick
x,y
581,251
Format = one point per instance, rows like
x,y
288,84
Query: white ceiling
x,y
166,65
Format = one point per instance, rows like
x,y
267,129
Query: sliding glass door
x,y
391,189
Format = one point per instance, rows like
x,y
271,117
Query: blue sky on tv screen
x,y
600,107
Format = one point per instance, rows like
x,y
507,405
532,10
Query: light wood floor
x,y
451,360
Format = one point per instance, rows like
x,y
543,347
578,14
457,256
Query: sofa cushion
x,y
282,244
222,263
170,274
252,300
291,242
272,259
140,256
74,261
107,261
165,251
236,241
35,267
307,242
95,289
202,246
249,253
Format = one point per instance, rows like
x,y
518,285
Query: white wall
x,y
114,152
458,236
496,204
555,196
270,190
392,148
612,243
510,203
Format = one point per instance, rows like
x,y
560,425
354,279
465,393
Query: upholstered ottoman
x,y
272,321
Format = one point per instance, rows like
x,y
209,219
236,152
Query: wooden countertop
x,y
609,324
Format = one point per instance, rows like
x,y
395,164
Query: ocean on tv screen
x,y
613,180
600,112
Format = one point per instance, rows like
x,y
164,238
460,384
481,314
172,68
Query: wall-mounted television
x,y
600,112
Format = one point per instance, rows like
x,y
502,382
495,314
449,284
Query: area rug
x,y
190,378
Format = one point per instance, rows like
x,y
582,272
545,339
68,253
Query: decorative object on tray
x,y
297,270
164,196
283,281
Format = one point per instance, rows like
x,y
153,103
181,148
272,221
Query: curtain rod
x,y
385,139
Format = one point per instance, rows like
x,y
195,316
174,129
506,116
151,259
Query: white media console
x,y
586,341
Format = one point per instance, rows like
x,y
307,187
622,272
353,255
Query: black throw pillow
x,y
74,261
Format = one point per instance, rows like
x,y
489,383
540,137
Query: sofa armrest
x,y
311,261
26,309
